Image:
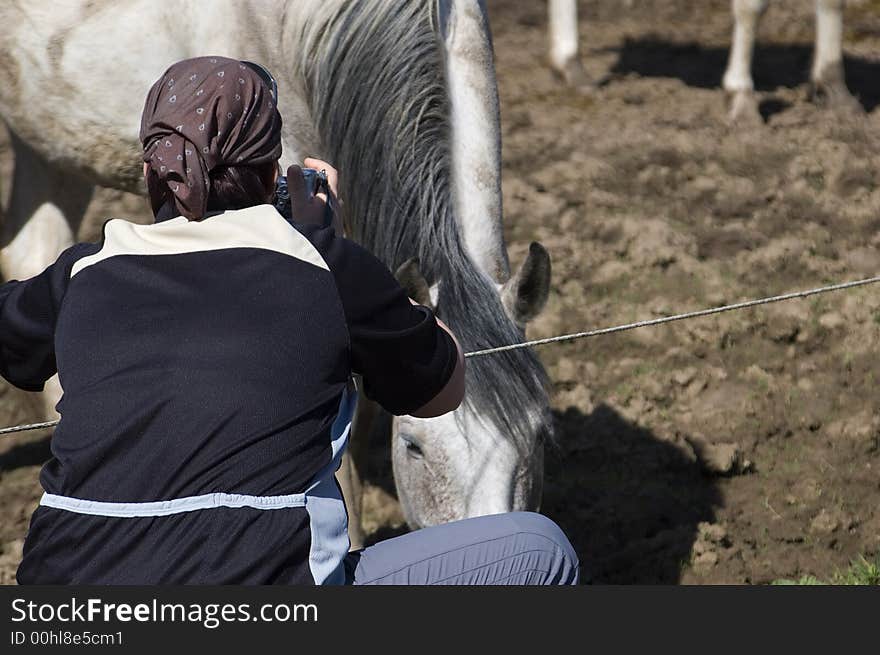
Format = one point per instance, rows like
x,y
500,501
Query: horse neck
x,y
421,140
475,141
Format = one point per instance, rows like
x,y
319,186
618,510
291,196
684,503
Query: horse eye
x,y
412,448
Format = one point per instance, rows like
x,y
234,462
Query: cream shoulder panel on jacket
x,y
255,227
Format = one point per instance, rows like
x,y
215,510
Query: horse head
x,y
487,456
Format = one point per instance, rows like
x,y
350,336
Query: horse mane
x,y
376,79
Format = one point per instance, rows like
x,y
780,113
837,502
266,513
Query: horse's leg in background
x,y
562,23
738,77
826,77
354,463
45,209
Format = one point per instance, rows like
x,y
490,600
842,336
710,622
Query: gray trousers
x,y
519,548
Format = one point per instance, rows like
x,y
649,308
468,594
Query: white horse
x,y
826,75
401,95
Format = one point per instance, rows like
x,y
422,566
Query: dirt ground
x,y
734,449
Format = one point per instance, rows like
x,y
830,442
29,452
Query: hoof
x,y
574,76
744,109
836,97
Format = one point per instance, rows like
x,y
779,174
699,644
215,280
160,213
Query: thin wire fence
x,y
677,317
29,426
599,332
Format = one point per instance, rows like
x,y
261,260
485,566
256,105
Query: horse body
x,y
826,74
54,56
401,97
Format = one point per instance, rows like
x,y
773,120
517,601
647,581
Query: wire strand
x,y
29,426
595,333
677,317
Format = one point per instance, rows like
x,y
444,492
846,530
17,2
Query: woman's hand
x,y
311,209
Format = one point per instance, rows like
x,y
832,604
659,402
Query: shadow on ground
x,y
27,453
774,66
629,501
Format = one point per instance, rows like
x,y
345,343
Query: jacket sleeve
x,y
28,313
403,355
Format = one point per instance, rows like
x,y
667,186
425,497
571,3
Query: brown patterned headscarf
x,y
201,114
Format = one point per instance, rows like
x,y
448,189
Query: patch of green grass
x,y
762,385
792,467
804,580
816,181
624,390
861,571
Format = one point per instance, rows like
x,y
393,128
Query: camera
x,y
315,182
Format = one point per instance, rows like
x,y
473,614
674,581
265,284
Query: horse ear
x,y
525,293
413,282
